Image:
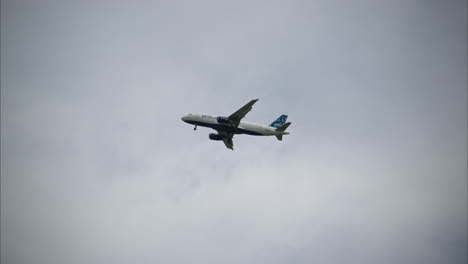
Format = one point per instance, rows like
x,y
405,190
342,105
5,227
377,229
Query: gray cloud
x,y
97,166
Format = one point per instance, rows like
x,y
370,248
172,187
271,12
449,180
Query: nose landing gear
x,y
195,128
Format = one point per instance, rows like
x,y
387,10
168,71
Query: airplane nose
x,y
184,118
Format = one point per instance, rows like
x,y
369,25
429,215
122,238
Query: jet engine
x,y
216,137
223,120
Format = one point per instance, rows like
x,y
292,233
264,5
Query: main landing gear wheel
x,y
195,128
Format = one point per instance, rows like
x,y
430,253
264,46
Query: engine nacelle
x,y
216,137
223,120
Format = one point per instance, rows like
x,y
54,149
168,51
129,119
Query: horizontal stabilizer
x,y
283,127
279,137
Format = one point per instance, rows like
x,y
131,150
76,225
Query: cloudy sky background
x,y
97,167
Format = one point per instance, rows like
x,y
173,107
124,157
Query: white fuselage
x,y
243,128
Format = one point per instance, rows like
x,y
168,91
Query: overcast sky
x,y
97,167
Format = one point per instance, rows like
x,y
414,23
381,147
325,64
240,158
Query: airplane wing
x,y
239,114
227,139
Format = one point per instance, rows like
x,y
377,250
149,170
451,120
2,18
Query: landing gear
x,y
195,128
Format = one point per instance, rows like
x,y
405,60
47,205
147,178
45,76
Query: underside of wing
x,y
239,114
228,143
227,139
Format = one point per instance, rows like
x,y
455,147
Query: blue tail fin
x,y
279,122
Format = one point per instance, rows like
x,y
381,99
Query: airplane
x,y
227,127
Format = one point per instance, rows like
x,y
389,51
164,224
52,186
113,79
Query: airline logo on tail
x,y
279,122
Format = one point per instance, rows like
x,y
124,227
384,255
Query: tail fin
x,y
279,121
